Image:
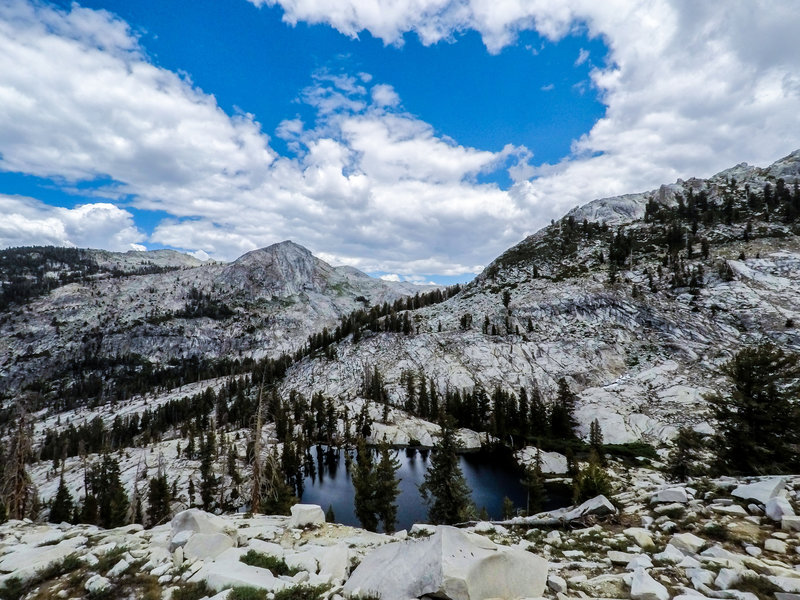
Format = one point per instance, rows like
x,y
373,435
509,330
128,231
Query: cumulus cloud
x,y
368,184
27,221
690,87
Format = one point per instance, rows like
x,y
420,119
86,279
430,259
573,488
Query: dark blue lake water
x,y
491,475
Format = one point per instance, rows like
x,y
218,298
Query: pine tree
x,y
562,416
444,488
388,488
330,516
277,496
758,423
158,499
508,507
596,441
591,481
112,501
191,492
534,483
61,511
682,457
365,485
208,480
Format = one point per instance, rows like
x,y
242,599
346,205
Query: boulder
x,y
193,521
670,495
640,561
620,558
451,563
773,545
760,491
687,542
226,574
306,515
640,535
552,462
671,554
24,561
207,546
778,507
118,569
96,584
787,584
557,584
644,587
790,523
599,505
727,578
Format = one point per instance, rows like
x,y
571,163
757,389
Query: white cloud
x,y
368,184
27,221
391,277
690,87
583,56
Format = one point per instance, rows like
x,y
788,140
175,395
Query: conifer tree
x,y
534,483
330,516
61,511
591,481
758,423
277,496
158,499
364,486
562,416
444,488
596,441
112,500
388,488
208,480
681,459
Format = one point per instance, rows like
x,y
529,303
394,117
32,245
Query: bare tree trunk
x,y
17,487
255,494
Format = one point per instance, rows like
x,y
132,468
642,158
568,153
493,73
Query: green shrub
x,y
12,589
303,592
277,566
192,591
248,593
760,586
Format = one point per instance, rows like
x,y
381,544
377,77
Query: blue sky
x,y
412,143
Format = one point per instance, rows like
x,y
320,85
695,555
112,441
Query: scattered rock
x,y
306,515
97,584
760,491
206,546
778,507
644,587
774,545
670,495
687,542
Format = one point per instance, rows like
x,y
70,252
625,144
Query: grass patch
x,y
717,532
14,588
109,559
277,566
247,593
760,586
192,591
303,592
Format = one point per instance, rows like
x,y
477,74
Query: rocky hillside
x,y
635,300
99,316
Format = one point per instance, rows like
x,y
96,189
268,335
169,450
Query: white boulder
x,y
727,578
670,495
790,523
306,515
219,575
552,462
96,584
192,521
599,505
778,507
207,546
118,569
760,491
644,587
451,563
687,542
774,545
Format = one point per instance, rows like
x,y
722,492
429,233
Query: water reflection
x,y
491,475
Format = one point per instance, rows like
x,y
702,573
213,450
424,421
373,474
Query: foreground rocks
x,y
723,538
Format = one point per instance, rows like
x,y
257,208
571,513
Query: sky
x,y
413,139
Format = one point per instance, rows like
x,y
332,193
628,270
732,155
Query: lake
x,y
490,474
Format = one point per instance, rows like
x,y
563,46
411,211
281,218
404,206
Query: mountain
x,y
100,314
636,300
